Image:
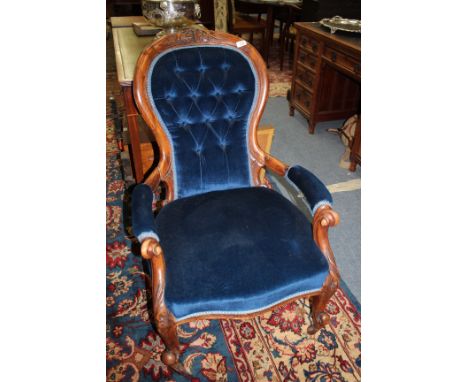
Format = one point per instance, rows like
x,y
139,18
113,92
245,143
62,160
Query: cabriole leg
x,y
318,304
165,321
167,329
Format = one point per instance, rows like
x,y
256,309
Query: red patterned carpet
x,y
272,347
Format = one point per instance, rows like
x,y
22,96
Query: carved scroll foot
x,y
167,329
169,358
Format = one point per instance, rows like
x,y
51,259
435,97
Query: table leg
x,y
269,32
133,130
312,124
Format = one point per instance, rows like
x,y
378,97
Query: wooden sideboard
x,y
326,82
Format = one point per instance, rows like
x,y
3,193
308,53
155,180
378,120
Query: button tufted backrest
x,y
203,97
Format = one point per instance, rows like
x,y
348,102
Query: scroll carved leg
x,y
324,218
165,321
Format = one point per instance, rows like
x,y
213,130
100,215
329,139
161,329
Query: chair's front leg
x,y
324,218
318,305
165,321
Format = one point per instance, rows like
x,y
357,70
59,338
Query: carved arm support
x,y
143,228
324,218
275,165
319,200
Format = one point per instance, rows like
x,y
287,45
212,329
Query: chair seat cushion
x,y
236,251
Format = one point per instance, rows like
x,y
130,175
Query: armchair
x,y
224,243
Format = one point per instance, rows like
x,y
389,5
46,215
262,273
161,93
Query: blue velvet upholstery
x,y
142,212
313,189
203,96
229,247
236,251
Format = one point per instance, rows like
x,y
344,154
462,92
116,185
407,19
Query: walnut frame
x,y
323,218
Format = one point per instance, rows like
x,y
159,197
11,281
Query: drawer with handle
x,y
308,59
302,97
343,61
305,76
308,42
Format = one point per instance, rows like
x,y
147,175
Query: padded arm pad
x,y
314,190
142,213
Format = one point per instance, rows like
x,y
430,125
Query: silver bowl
x,y
171,15
339,23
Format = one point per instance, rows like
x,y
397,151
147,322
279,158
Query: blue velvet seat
x,y
236,251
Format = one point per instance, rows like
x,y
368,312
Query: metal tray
x,y
339,23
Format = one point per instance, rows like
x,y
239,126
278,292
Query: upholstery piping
x,y
147,234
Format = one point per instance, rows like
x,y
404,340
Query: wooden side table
x,y
128,47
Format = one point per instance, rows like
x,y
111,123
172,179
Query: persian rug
x,y
274,346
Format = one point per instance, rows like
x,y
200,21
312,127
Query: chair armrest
x,y
275,165
314,190
142,213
